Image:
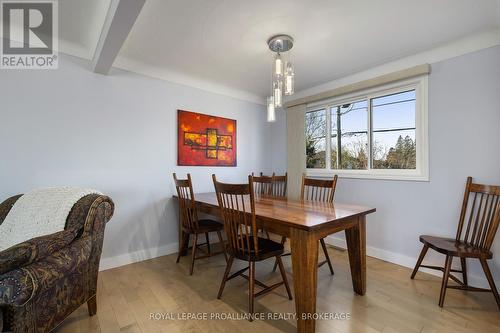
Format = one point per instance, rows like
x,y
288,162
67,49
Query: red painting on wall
x,y
205,140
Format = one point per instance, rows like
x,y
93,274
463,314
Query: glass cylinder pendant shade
x,y
271,111
278,93
278,66
289,79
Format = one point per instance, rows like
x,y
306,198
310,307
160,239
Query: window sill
x,y
372,174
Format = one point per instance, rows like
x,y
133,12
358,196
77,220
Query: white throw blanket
x,y
38,213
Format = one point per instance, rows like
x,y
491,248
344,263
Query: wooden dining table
x,y
305,223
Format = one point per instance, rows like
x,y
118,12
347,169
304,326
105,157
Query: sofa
x,y
43,280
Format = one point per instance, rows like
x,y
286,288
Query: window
x,y
380,133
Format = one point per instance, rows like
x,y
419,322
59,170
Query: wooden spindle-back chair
x,y
237,207
477,228
280,186
263,185
191,225
322,190
318,189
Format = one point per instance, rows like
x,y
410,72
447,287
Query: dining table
x,y
305,223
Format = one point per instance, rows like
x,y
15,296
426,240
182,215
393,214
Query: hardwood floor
x,y
393,303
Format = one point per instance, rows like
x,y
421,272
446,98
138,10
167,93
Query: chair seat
x,y
267,249
450,246
207,225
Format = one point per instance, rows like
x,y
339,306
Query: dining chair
x,y
477,228
262,185
237,206
191,225
279,186
322,190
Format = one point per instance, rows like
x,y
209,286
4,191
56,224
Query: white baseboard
x,y
136,256
406,261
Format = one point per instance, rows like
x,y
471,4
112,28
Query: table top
x,y
304,215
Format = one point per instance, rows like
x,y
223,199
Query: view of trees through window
x,y
349,137
392,134
393,119
316,139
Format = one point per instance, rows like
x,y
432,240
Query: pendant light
x,y
283,74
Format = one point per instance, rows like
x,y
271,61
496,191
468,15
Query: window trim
x,y
421,172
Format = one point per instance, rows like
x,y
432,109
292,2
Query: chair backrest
x,y
318,189
279,186
187,205
480,215
237,205
262,185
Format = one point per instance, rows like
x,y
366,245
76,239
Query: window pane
x,y
350,133
393,118
316,139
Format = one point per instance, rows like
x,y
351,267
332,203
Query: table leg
x,y
356,247
304,246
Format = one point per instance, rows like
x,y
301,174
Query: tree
x,y
315,134
311,157
403,155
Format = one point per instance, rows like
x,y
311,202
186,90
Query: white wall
x,y
278,140
464,136
117,134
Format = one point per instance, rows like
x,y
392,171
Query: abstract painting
x,y
205,140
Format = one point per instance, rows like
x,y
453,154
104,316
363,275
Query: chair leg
x,y
283,240
251,285
183,245
283,275
446,275
464,270
419,260
323,245
493,287
224,278
222,244
92,305
208,242
193,255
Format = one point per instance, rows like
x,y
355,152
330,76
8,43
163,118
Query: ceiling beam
x,y
120,19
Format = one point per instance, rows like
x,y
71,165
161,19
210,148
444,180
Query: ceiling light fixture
x,y
283,74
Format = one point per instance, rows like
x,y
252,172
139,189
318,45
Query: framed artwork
x,y
205,140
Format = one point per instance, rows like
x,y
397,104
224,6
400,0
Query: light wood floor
x,y
393,303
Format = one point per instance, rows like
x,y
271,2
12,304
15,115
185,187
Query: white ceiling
x,y
223,42
80,25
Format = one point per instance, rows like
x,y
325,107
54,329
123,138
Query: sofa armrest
x,y
98,215
16,288
35,249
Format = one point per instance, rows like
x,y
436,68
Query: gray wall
x,y
464,139
117,134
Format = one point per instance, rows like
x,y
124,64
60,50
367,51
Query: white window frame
x,y
421,172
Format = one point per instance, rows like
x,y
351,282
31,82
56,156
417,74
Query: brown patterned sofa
x,y
44,279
